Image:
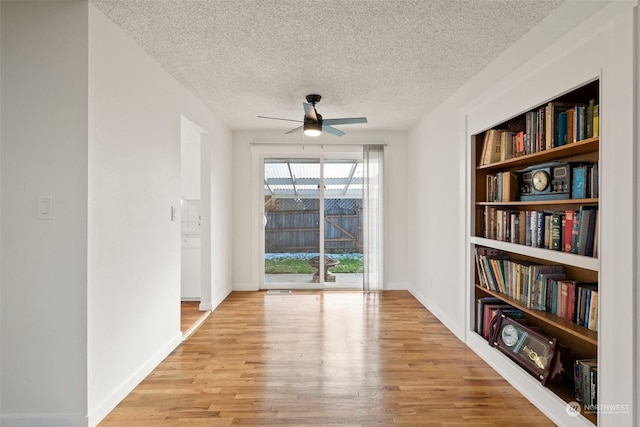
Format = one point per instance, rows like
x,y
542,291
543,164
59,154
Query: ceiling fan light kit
x,y
313,124
312,128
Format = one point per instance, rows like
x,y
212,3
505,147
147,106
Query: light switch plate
x,y
45,207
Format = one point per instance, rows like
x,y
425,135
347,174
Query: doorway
x,y
191,283
312,222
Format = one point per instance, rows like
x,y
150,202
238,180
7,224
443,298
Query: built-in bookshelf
x,y
535,231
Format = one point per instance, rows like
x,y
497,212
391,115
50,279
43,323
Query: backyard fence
x,y
293,225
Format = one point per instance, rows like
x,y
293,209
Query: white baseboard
x,y
442,317
396,286
103,409
43,421
245,287
217,299
205,307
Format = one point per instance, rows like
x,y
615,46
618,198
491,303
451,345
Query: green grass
x,y
287,266
349,263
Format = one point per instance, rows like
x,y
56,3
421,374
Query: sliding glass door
x,y
313,223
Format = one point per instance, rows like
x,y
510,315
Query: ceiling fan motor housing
x,y
313,99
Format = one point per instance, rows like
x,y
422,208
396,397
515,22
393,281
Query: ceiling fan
x,y
313,123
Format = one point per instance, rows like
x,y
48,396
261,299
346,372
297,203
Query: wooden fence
x,y
298,230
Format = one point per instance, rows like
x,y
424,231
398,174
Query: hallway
x,y
324,358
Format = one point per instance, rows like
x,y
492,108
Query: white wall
x,y
190,159
637,209
134,180
436,175
44,264
246,227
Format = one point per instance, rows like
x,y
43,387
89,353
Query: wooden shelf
x,y
585,146
593,201
560,323
580,261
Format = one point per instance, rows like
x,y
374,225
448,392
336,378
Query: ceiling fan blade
x,y
345,121
277,118
294,130
310,111
332,130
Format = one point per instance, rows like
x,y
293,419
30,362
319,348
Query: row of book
x,y
585,380
486,310
538,287
569,231
502,187
568,299
505,186
548,126
584,181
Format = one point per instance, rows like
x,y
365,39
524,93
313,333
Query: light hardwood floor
x,y
189,314
324,358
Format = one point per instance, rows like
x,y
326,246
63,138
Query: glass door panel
x,y
292,229
343,223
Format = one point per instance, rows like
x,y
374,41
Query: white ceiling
x,y
389,60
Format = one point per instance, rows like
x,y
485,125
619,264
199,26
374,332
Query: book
x,y
575,232
571,113
585,291
578,182
542,138
593,311
547,231
491,149
520,144
545,280
523,228
502,187
554,232
593,180
589,124
539,231
480,311
490,311
552,111
593,401
490,259
591,231
528,237
586,230
536,295
568,229
553,299
515,227
580,128
563,292
596,120
585,367
561,137
577,381
596,231
506,145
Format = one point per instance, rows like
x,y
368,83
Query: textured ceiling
x,y
389,60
